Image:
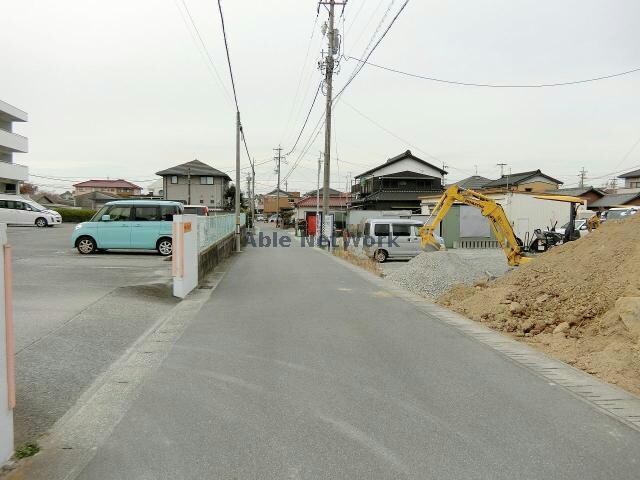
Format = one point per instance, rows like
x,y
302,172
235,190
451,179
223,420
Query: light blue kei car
x,y
128,224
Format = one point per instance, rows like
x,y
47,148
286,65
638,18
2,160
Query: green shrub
x,y
27,450
75,215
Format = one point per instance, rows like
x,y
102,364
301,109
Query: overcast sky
x,y
120,89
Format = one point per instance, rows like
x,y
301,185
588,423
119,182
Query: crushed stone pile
x,y
579,302
430,274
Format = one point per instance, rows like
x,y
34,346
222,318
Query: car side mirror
x,y
583,227
106,218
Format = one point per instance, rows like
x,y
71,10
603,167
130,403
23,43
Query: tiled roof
x,y
518,178
196,168
615,199
634,174
474,182
576,192
107,184
334,201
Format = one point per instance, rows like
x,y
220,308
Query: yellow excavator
x,y
498,220
489,208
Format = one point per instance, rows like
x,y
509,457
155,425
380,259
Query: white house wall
x,y
404,165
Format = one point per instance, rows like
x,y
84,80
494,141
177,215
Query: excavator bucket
x,y
428,242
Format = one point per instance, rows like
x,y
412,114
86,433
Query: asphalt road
x,y
74,315
296,368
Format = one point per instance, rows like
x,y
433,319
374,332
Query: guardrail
x,y
214,228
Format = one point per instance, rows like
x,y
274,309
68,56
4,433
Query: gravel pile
x,y
430,274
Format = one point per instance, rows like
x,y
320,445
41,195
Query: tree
x,y
230,198
28,188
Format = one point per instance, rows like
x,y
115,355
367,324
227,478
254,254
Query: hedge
x,y
75,215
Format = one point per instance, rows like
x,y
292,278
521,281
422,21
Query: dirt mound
x,y
579,302
430,274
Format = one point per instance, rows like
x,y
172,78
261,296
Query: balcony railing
x,y
13,142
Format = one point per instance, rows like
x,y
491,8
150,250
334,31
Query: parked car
x,y
260,218
273,218
618,213
201,210
15,210
378,234
123,224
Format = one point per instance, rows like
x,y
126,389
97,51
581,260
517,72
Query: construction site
x,y
579,301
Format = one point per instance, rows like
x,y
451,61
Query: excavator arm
x,y
490,209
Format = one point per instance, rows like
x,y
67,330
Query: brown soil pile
x,y
579,302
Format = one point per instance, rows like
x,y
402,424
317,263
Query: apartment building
x,y
11,174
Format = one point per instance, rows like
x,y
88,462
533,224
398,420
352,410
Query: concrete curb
x,y
609,399
73,441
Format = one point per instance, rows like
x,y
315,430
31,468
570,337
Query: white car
x,y
15,210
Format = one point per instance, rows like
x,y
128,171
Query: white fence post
x,y
184,258
7,371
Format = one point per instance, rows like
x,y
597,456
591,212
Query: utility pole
x,y
188,185
250,195
328,65
286,186
583,175
278,158
238,128
501,165
318,195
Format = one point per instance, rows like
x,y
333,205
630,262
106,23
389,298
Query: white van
x,y
15,210
391,238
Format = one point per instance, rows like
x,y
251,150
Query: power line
x,y
305,120
492,85
226,46
204,46
304,63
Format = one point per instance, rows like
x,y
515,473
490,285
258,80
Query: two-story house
x,y
533,181
195,182
631,179
397,184
118,187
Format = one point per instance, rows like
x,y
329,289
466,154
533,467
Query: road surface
x,y
297,368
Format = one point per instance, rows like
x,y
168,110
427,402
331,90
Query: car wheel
x,y
165,247
381,256
41,222
86,245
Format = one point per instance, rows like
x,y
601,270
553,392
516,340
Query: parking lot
x,y
74,315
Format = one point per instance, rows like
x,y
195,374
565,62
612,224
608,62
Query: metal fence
x,y
214,228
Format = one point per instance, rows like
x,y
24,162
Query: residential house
x,y
94,200
533,181
155,188
195,182
287,201
332,192
48,199
68,196
631,179
307,206
11,174
397,184
474,182
118,187
590,194
616,200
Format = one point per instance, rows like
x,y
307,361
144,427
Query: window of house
x,y
146,214
381,229
634,184
401,230
528,189
402,183
206,180
422,183
174,179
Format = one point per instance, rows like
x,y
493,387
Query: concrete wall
x,y
210,195
215,254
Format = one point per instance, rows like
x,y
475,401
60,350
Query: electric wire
x,y
493,85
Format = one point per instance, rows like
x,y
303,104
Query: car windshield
x,y
36,206
618,214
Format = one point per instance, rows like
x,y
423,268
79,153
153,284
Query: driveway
x,y
74,316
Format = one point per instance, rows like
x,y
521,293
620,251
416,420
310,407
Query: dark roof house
x,y
616,200
195,168
515,180
474,182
